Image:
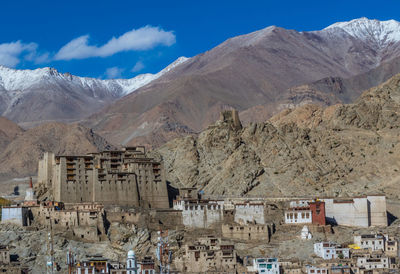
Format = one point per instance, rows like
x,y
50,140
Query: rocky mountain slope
x,y
19,155
345,149
325,92
246,71
33,96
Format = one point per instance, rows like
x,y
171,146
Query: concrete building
x,y
126,177
18,215
328,251
265,265
374,242
360,211
131,264
207,254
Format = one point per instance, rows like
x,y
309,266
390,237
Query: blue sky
x,y
77,36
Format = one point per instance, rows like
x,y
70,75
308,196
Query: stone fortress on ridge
x,y
124,177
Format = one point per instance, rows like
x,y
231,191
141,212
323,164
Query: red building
x,y
318,212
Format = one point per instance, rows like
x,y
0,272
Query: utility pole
x,y
50,250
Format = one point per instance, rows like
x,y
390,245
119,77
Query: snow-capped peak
x,y
379,32
20,80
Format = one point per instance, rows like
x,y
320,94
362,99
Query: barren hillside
x,y
340,150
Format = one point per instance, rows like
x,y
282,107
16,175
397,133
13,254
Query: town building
x,y
15,214
200,213
125,177
329,250
84,221
340,269
292,266
373,262
298,215
265,265
249,212
391,247
4,255
362,211
317,208
207,254
373,242
247,232
7,265
316,270
131,264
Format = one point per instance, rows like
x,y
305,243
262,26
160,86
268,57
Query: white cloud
x,y
138,66
10,53
114,72
144,38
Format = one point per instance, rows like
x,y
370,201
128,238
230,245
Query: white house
x,y
371,241
298,216
131,264
14,214
376,262
265,265
329,250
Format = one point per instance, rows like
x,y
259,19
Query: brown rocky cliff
x,y
340,150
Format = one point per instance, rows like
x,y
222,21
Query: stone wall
x,y
202,215
247,232
249,213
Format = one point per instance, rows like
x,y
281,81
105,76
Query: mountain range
x,y
264,74
256,73
32,97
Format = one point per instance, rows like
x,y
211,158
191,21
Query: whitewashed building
x,y
373,262
15,214
265,265
329,250
371,241
249,212
298,215
363,211
200,214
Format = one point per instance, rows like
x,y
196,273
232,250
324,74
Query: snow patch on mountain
x,y
25,80
381,33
